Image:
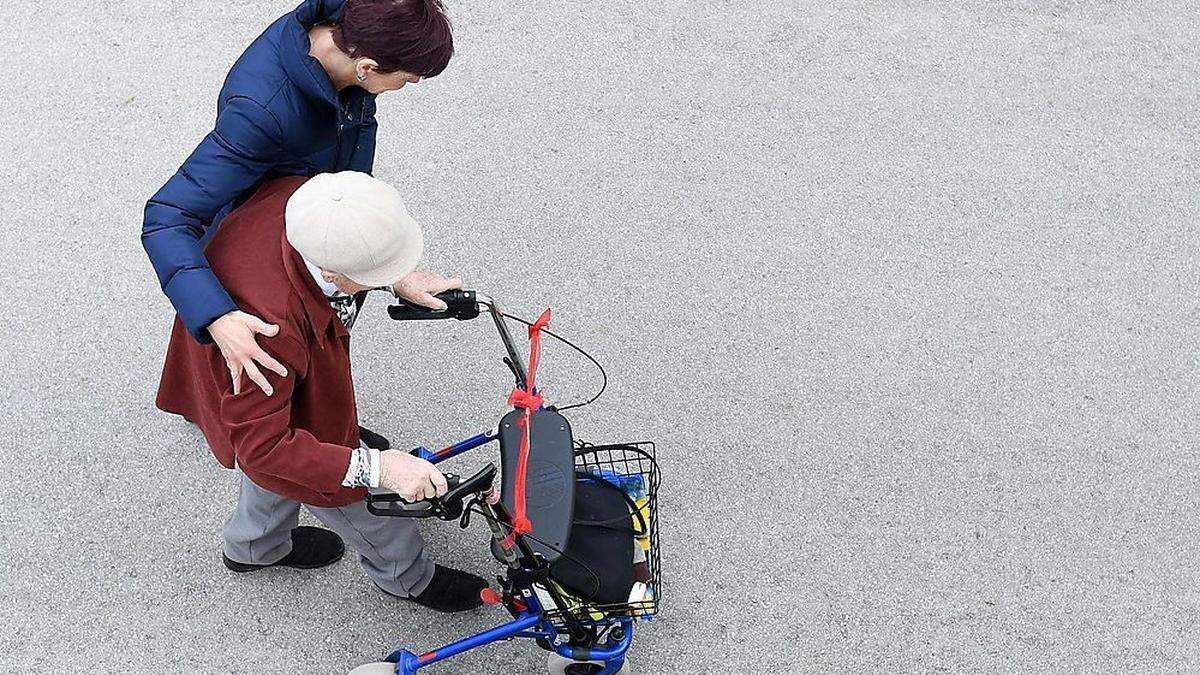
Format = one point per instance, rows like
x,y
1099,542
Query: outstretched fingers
x,y
262,327
257,377
269,362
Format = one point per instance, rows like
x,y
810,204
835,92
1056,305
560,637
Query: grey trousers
x,y
259,532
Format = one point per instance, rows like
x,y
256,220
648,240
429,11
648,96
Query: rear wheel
x,y
558,665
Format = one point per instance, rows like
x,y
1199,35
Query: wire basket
x,y
633,463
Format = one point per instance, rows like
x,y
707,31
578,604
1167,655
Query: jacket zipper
x,y
343,109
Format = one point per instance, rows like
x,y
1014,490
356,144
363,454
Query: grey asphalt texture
x,y
906,292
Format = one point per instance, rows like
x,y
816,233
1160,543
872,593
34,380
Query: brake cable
x,y
572,345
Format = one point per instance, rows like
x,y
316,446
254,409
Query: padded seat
x,y
549,482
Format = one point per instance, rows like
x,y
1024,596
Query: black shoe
x,y
312,547
450,590
372,440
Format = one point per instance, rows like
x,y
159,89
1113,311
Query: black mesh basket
x,y
634,460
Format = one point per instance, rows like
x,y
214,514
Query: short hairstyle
x,y
409,35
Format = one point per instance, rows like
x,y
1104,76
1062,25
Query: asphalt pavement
x,y
906,293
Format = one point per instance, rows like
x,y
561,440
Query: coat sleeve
x,y
228,163
290,462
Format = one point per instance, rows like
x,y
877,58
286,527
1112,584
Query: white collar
x,y
327,288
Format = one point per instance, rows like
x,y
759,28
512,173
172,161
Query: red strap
x,y
529,400
535,345
519,398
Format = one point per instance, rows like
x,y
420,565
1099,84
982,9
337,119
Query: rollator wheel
x,y
377,668
559,665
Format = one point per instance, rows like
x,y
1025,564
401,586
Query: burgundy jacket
x,y
295,443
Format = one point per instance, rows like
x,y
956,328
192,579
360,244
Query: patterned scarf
x,y
344,306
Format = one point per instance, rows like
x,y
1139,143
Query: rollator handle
x,y
447,507
460,304
481,481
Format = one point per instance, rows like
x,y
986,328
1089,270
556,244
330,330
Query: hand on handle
x,y
420,287
410,477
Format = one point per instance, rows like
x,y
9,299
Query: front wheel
x,y
559,665
377,668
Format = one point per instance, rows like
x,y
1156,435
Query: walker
x,y
575,524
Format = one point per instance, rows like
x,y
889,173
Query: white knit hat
x,y
351,223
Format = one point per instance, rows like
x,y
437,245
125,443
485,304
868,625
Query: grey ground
x,y
906,292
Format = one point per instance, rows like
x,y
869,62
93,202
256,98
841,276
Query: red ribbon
x,y
529,400
519,398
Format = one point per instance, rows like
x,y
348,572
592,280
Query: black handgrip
x,y
447,507
460,304
481,481
384,505
395,506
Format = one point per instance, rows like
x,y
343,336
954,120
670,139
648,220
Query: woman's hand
x,y
419,287
234,334
410,477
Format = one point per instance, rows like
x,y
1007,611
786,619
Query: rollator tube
x,y
514,362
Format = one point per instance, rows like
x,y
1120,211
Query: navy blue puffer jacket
x,y
278,114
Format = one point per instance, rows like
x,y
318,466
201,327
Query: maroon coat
x,y
297,442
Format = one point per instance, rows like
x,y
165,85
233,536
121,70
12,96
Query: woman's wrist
x,y
364,468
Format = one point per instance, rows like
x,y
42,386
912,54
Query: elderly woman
x,y
317,245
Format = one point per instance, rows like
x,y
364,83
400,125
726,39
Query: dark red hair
x,y
409,35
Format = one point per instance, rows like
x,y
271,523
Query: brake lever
x,y
465,521
477,483
512,368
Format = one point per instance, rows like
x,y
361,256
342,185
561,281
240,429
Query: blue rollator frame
x,y
580,633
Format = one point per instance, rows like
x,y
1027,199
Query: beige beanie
x,y
351,223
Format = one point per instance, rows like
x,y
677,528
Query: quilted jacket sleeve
x,y
228,163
